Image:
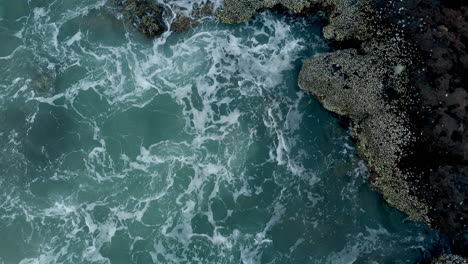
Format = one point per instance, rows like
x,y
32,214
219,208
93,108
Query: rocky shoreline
x,y
398,73
403,89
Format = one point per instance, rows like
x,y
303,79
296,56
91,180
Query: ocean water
x,y
196,147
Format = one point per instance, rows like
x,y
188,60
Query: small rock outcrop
x,y
145,15
183,22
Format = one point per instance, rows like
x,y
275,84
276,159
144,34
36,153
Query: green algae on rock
x,y
181,23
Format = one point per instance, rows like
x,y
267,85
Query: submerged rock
x,y
44,83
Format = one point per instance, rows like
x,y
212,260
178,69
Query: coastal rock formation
x,y
403,90
441,112
352,85
181,23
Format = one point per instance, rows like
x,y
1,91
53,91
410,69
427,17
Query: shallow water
x,y
197,147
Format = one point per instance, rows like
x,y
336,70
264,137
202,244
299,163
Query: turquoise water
x,y
197,147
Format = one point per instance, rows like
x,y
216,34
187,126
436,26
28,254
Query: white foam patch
x,y
39,12
359,245
77,37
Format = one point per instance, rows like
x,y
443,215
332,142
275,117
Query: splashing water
x,y
197,147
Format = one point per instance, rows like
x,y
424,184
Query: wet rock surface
x,y
182,22
145,15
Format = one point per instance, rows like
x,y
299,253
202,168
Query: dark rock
x,y
440,156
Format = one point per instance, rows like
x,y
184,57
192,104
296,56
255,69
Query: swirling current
x,y
195,147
